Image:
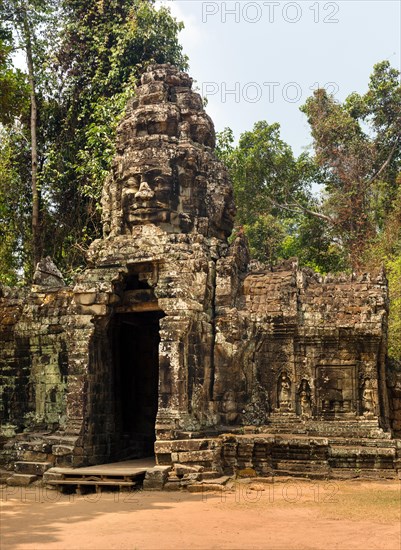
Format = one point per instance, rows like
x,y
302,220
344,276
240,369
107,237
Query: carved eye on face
x,y
161,183
133,182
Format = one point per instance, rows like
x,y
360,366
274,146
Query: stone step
x,y
319,473
62,439
362,442
32,468
360,451
34,446
362,429
32,456
364,473
362,458
211,474
62,450
300,465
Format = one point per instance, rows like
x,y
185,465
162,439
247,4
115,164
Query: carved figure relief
x,y
146,198
305,401
368,398
229,407
165,172
284,392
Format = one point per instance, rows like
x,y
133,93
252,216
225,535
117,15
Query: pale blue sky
x,y
272,54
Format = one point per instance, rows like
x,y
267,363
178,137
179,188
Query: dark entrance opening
x,y
136,360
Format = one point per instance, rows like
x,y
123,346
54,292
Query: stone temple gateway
x,y
170,344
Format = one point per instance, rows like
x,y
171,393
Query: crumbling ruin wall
x,y
179,273
34,359
297,327
394,394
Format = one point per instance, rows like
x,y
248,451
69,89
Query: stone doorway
x,y
136,372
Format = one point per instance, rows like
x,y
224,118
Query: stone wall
x,y
394,392
34,359
296,324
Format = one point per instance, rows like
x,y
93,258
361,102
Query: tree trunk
x,y
36,233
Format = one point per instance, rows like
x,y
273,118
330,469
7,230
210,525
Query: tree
x,y
27,21
15,204
385,251
266,177
359,167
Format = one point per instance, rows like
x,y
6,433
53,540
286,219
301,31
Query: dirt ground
x,y
286,514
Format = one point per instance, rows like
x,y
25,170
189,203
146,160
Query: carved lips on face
x,y
147,198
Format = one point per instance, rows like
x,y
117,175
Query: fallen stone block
x,y
32,468
156,478
18,480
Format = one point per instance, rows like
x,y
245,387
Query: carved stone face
x,y
148,198
165,172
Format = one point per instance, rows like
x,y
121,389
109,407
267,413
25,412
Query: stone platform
x,y
183,463
127,474
273,454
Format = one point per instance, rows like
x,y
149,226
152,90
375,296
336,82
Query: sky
x,y
261,60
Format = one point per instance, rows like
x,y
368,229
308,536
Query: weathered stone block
x,y
197,456
62,450
183,445
182,469
156,478
21,479
50,475
32,468
85,298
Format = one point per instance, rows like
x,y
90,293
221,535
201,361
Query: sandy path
x,y
296,515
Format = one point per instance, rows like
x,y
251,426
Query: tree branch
x,y
387,161
296,207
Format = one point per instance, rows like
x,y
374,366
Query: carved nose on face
x,y
145,193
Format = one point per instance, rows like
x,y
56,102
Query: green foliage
x,y
313,244
13,86
393,266
266,235
14,206
358,147
386,251
357,156
266,176
359,166
224,145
